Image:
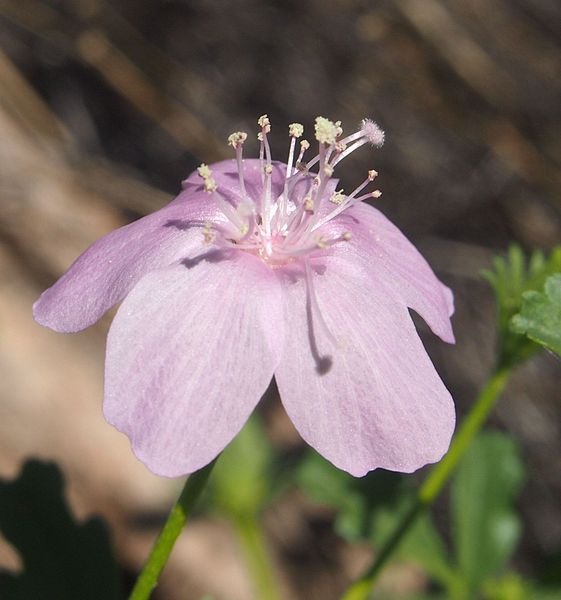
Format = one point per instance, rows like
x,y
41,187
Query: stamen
x,y
209,183
236,140
327,131
338,197
227,210
265,125
372,174
211,188
295,130
282,228
350,202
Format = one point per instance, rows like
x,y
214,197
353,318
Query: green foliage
x,y
511,277
240,481
356,500
486,524
540,315
62,559
512,586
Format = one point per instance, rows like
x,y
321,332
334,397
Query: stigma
x,y
293,224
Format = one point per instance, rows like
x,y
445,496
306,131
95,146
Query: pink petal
x,y
190,353
373,399
390,257
110,267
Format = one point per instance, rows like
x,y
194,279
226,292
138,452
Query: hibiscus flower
x,y
260,269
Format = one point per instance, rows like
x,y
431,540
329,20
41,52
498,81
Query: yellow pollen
x,y
204,171
210,185
327,131
237,138
376,194
337,197
304,144
308,204
264,123
295,130
372,174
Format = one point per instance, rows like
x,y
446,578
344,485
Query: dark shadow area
x,y
62,559
212,256
184,224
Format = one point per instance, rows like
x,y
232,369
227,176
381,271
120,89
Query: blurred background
x,y
106,106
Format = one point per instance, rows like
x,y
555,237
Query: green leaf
x,y
422,545
355,499
512,586
486,526
240,480
370,508
510,278
62,559
540,315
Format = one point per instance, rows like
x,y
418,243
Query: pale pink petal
x,y
390,257
373,398
190,353
109,268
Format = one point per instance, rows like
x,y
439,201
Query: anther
x,y
372,174
209,183
237,139
295,130
327,131
337,197
204,171
264,123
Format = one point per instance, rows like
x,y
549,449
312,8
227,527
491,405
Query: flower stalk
x,y
435,482
181,511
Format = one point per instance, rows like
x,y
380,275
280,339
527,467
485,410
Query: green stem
x,y
254,545
436,480
148,578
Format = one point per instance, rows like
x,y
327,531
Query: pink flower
x,y
256,269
